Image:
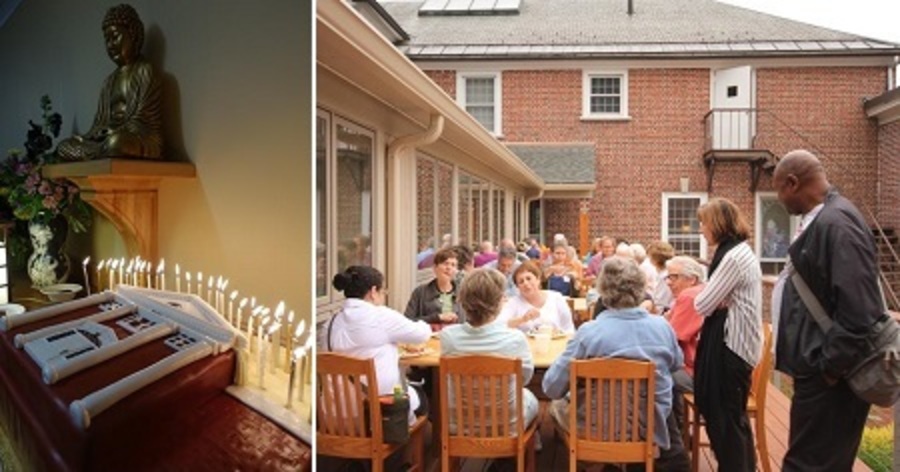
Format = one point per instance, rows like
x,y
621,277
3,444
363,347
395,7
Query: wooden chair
x,y
611,430
341,427
481,411
756,409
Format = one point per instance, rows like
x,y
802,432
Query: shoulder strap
x,y
328,335
810,300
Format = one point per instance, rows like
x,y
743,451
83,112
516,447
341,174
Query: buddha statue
x,y
128,122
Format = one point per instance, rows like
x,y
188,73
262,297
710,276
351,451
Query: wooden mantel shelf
x,y
126,192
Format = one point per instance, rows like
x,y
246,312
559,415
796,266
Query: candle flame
x,y
275,327
256,311
188,276
309,341
114,264
301,327
87,260
162,266
200,277
234,295
279,310
291,317
265,311
243,303
100,265
224,284
298,353
177,270
209,285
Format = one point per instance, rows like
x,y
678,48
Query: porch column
x,y
402,211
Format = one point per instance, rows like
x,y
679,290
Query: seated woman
x,y
366,328
480,295
625,330
533,307
562,275
435,302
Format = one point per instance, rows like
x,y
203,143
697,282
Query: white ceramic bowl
x,y
61,292
11,309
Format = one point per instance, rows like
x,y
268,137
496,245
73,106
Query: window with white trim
x,y
345,163
479,94
680,226
773,227
605,95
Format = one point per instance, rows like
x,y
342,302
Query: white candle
x,y
240,315
148,278
271,344
253,314
296,354
308,347
121,270
209,292
262,351
112,273
129,273
277,337
234,295
222,291
177,279
87,279
200,284
293,338
161,275
99,279
187,278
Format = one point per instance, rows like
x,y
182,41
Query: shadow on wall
x,y
172,130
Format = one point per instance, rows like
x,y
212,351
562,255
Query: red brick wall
x,y
889,175
663,141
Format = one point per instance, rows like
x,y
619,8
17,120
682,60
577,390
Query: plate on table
x,y
409,354
556,334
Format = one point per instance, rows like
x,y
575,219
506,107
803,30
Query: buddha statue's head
x,y
123,31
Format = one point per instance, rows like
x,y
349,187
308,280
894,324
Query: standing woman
x,y
731,338
367,329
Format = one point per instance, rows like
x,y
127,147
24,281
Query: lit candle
x,y
128,273
295,355
308,347
252,303
187,277
112,273
121,270
148,279
253,314
87,279
177,279
209,292
222,289
99,269
277,337
240,315
298,331
263,348
161,275
231,319
200,284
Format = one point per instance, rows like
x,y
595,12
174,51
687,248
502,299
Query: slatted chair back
x,y
341,427
618,411
478,418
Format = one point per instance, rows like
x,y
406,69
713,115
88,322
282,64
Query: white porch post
x,y
402,212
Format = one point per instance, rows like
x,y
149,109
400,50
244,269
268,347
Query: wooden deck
x,y
554,457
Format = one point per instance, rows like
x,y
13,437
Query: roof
x,y
603,28
559,163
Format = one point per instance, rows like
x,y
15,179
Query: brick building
x,y
680,101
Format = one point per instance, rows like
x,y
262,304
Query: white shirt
x,y
555,312
369,331
737,283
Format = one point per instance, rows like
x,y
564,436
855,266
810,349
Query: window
x,y
680,226
605,95
434,206
345,158
479,94
774,227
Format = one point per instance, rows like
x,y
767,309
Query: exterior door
x,y
733,120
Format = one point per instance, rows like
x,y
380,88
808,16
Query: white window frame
x,y
586,113
666,196
758,226
462,77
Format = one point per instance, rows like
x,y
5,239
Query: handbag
x,y
876,378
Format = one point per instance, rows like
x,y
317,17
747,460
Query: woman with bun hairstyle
x,y
367,329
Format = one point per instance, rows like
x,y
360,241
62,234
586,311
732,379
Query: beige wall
x,y
237,77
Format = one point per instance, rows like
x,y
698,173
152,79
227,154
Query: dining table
x,y
431,355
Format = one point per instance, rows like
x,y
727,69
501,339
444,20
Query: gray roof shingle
x,y
552,28
559,163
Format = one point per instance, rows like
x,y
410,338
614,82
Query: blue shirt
x,y
629,333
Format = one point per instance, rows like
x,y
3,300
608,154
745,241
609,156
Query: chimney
x,y
630,7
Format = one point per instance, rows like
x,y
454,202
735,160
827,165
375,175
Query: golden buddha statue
x,y
128,121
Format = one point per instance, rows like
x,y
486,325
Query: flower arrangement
x,y
30,196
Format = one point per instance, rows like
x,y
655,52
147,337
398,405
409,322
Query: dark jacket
x,y
836,257
425,303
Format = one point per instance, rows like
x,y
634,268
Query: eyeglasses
x,y
672,277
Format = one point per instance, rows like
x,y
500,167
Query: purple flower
x,y
45,189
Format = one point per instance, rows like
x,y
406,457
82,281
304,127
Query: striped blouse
x,y
737,283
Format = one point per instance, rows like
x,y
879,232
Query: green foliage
x,y
877,447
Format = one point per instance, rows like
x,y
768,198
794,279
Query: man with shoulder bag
x,y
833,265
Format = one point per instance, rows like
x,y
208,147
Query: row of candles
x,y
272,336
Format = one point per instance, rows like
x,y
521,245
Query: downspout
x,y
401,209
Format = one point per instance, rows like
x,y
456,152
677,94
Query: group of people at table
x,y
479,314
